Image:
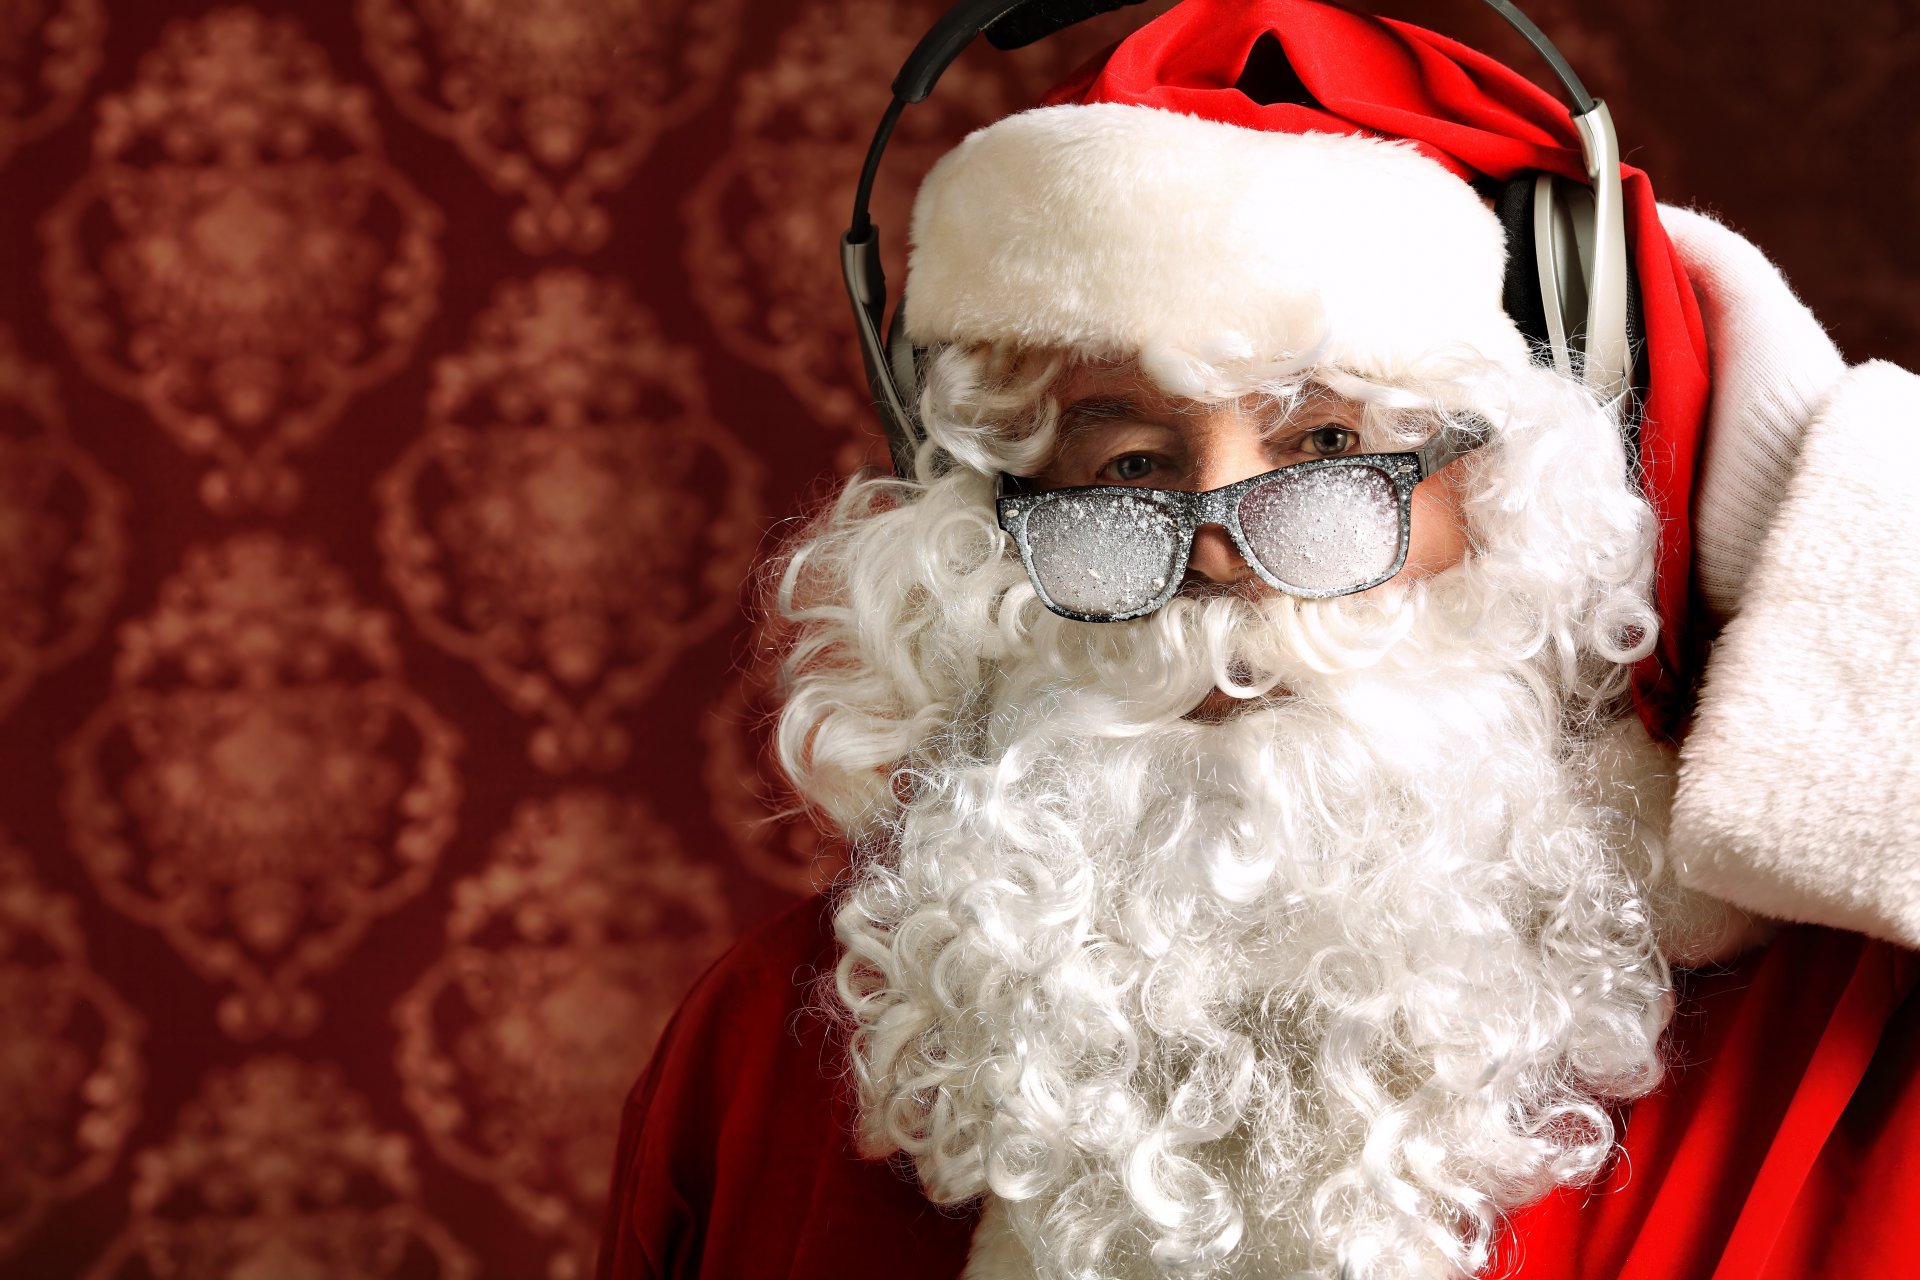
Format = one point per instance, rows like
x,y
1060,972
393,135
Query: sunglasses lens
x,y
1102,554
1325,529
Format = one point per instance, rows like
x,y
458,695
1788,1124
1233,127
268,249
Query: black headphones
x,y
1570,287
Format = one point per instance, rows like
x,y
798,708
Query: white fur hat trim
x,y
1122,230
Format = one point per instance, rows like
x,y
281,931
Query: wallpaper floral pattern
x,y
394,400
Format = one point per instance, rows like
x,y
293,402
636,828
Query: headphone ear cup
x,y
1523,293
1520,293
1549,227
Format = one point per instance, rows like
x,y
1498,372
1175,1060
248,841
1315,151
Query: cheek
x,y
1439,527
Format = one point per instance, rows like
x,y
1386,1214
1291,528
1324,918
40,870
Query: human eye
x,y
1128,468
1328,440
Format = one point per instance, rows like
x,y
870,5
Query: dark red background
x,y
392,396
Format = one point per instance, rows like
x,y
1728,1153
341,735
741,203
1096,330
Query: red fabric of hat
x,y
1366,75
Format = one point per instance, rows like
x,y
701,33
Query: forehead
x,y
1085,381
1113,385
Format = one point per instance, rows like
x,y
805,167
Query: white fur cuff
x,y
1796,778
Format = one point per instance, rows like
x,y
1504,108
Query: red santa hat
x,y
1254,179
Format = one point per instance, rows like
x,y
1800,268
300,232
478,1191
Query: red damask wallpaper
x,y
394,398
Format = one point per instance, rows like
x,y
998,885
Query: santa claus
x,y
1253,705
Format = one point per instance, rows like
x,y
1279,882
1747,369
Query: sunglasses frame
x,y
1221,507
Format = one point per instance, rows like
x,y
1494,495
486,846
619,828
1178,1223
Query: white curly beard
x,y
1322,989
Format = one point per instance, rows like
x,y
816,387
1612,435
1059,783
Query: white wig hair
x,y
1326,988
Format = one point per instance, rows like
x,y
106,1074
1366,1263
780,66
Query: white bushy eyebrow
x,y
1098,410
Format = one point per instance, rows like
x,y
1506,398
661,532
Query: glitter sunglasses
x,y
1325,527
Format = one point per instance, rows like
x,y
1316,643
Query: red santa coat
x,y
1784,1143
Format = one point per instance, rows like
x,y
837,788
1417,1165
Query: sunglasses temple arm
x,y
1451,444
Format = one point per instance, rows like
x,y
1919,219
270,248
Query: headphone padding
x,y
1521,292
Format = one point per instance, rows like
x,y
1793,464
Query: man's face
x,y
1118,428
1326,985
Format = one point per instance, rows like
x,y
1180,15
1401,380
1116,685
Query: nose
x,y
1217,562
1232,448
